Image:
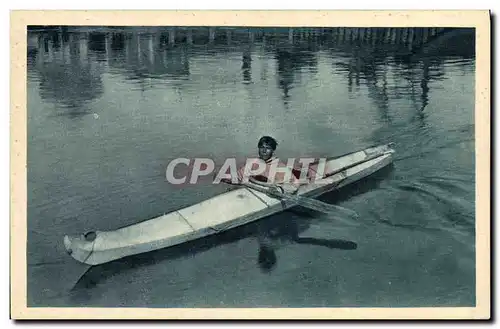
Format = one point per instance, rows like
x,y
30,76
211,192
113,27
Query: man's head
x,y
267,146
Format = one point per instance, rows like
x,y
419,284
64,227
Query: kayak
x,y
220,213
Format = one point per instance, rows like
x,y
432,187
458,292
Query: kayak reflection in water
x,y
267,256
270,238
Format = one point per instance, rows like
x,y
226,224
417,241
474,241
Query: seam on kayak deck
x,y
187,222
91,251
258,197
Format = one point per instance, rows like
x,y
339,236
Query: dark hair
x,y
268,140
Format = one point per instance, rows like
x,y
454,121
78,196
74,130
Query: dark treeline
x,y
410,37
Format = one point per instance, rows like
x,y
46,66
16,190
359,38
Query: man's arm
x,y
228,181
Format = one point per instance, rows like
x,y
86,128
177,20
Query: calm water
x,y
108,110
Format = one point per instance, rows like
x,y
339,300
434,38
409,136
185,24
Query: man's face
x,y
265,151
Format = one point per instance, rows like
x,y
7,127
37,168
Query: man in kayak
x,y
283,176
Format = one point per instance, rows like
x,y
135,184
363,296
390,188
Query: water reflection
x,y
140,57
291,60
82,84
246,66
68,63
97,42
267,259
67,76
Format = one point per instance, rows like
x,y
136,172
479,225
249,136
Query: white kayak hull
x,y
220,213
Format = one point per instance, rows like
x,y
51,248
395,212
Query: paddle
x,y
305,202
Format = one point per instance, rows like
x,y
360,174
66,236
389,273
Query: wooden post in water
x,y
82,47
341,34
376,35
399,36
290,35
411,34
211,34
171,36
334,34
386,36
189,37
251,35
64,48
128,44
228,37
69,48
150,49
425,35
419,37
394,35
138,52
371,34
348,34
